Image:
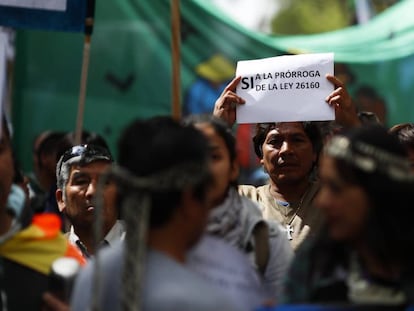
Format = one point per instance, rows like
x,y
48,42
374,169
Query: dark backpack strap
x,y
262,249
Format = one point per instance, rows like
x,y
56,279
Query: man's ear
x,y
60,201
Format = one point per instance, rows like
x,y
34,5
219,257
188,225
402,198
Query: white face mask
x,y
16,200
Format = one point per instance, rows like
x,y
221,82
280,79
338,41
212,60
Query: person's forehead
x,y
289,128
215,139
206,128
96,167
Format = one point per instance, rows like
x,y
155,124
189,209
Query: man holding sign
x,y
286,143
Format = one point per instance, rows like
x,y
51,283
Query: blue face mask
x,y
16,200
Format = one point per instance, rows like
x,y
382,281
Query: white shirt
x,y
117,233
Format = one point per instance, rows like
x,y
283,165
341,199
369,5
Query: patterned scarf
x,y
224,220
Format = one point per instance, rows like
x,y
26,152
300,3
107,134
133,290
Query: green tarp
x,y
130,68
387,36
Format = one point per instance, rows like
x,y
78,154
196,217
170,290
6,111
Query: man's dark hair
x,y
150,147
49,145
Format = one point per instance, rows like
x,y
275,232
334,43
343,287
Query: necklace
x,y
288,223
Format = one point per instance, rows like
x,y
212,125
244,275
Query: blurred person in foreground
x,y
164,176
365,253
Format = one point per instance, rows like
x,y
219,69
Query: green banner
x,y
130,67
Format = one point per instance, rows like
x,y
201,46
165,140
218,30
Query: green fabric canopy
x,y
387,36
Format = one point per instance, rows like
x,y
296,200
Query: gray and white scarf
x,y
224,220
234,221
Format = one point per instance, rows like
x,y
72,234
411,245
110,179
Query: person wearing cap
x,y
77,173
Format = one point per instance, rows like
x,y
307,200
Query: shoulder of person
x,y
275,229
247,190
252,192
251,207
251,215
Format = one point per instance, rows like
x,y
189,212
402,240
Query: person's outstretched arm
x,y
225,106
345,111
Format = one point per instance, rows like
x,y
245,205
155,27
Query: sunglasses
x,y
86,153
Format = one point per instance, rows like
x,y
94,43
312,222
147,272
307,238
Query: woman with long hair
x,y
365,253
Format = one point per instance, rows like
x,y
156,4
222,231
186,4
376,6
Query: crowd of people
x,y
168,227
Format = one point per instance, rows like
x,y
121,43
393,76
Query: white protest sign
x,y
285,88
53,5
229,270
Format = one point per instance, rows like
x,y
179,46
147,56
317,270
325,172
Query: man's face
x,y
6,168
288,154
81,188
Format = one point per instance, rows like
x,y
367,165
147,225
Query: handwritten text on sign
x,y
285,88
53,5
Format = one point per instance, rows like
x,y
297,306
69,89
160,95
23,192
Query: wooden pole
x,y
89,20
82,90
175,58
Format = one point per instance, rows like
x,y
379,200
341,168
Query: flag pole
x,y
175,58
84,71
